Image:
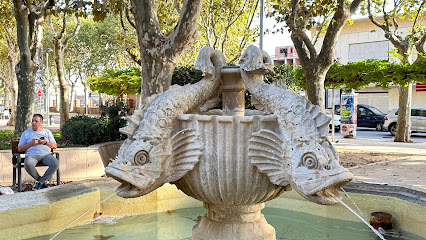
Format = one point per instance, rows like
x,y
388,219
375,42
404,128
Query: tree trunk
x,y
159,53
12,82
29,28
61,42
72,97
158,71
25,72
64,109
315,78
404,114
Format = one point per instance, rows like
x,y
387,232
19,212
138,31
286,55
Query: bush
x,y
116,119
85,130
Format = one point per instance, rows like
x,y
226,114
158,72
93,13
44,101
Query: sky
x,y
270,41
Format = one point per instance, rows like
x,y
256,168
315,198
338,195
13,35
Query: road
x,y
371,133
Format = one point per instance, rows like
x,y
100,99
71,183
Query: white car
x,y
336,121
418,120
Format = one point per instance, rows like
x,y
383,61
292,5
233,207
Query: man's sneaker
x,y
44,185
37,186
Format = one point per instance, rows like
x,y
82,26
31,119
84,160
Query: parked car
x,y
418,120
336,121
369,116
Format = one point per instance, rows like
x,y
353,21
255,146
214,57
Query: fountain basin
x,y
49,210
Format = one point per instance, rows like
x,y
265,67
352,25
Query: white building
x,y
363,40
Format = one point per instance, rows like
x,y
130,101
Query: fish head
x,y
316,174
140,166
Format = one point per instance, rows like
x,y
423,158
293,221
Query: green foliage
x,y
117,82
116,119
358,75
98,46
312,14
6,137
85,130
185,75
286,74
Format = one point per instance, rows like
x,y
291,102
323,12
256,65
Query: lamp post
x,y
47,85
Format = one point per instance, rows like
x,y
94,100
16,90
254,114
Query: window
x,y
284,51
362,111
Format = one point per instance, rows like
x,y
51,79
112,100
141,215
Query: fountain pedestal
x,y
232,189
224,222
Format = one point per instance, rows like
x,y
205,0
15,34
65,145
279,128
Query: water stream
x,y
81,216
353,202
362,219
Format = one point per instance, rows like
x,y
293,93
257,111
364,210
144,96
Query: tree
x,y
11,82
160,50
117,82
11,51
60,42
405,43
328,18
30,16
226,26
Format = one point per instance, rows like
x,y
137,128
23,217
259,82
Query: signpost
x,y
348,114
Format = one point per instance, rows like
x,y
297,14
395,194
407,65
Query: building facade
x,y
362,40
285,55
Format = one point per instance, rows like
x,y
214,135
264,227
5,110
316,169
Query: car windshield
x,y
376,111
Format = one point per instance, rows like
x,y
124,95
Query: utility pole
x,y
261,26
47,85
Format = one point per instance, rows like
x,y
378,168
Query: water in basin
x,y
178,225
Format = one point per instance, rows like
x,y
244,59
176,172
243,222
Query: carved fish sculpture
x,y
301,155
150,156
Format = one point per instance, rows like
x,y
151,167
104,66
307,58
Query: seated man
x,y
37,143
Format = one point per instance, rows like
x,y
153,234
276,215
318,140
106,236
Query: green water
x,y
288,225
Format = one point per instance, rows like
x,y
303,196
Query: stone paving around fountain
x,y
408,171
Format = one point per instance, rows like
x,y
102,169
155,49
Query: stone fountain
x,y
231,159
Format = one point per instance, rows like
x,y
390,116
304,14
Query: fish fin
x,y
186,150
267,154
321,120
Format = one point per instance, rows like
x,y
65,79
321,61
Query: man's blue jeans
x,y
48,160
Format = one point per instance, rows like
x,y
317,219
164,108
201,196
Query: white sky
x,y
270,41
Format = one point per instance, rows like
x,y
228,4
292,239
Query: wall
x,y
75,163
386,100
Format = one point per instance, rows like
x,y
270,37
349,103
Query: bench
x,y
18,163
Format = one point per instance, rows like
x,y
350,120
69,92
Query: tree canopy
x,y
117,82
357,75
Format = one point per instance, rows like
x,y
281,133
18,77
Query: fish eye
x,y
310,161
141,158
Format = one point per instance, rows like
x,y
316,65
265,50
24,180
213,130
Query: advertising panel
x,y
348,114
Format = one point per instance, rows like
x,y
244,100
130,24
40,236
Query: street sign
x,y
39,93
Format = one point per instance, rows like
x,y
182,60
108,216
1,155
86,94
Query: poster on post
x,y
348,114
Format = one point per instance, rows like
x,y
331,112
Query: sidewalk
x,y
3,126
409,171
